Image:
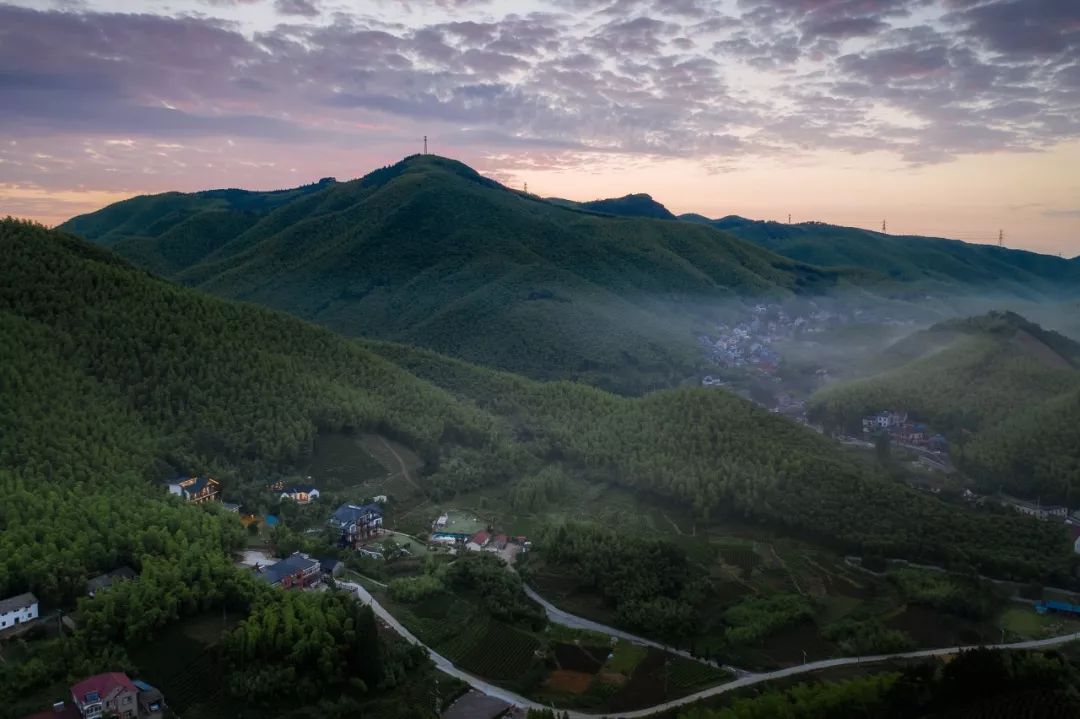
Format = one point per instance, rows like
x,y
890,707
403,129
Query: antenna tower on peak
x,y
425,144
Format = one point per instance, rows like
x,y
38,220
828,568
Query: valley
x,y
669,431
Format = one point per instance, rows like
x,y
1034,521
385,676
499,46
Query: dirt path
x,y
401,464
784,566
672,522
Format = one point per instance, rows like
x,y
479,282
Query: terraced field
x,y
502,653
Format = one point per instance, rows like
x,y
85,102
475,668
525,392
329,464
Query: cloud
x,y
926,80
306,8
1071,214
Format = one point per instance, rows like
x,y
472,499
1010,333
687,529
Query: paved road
x,y
566,619
747,679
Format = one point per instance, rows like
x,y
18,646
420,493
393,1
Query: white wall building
x,y
18,610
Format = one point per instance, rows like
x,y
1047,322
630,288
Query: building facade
x,y
18,610
196,490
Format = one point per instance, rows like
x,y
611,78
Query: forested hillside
x,y
430,253
192,383
930,264
1002,389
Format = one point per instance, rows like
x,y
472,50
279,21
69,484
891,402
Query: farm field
x,y
184,664
850,611
341,461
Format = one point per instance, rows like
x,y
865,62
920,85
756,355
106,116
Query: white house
x,y
18,610
300,493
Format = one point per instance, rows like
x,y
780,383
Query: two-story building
x,y
297,570
17,611
111,694
196,490
300,493
357,523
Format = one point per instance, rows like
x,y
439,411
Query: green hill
x,y
430,253
639,205
114,378
935,265
1001,388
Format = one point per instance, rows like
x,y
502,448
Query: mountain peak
x,y
635,205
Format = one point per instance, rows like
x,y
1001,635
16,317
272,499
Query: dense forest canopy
x,y
188,383
430,253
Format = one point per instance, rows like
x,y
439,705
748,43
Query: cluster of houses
x,y
902,430
748,343
738,347
355,524
113,694
483,540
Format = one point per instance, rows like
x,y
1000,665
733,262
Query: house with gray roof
x,y
18,610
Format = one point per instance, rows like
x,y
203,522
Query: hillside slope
x,y
936,265
177,380
428,252
991,384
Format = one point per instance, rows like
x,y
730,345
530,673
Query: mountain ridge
x,y
429,252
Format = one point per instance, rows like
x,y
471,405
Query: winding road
x,y
744,680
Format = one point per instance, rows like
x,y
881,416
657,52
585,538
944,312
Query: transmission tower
x,y
883,228
425,144
1001,238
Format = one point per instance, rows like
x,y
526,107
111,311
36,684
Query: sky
x,y
957,118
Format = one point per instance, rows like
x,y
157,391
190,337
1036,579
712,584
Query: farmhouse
x,y
297,570
478,541
300,493
104,581
18,610
498,544
111,694
357,523
196,490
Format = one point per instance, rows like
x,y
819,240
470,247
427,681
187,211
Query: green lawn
x,y
626,657
1021,621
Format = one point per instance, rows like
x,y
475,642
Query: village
x,y
355,535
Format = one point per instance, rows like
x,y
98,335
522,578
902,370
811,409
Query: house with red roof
x,y
498,544
478,541
109,693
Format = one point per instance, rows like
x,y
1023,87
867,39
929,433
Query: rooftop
x,y
474,705
17,602
102,685
349,513
290,565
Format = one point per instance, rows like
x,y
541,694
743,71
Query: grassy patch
x,y
626,657
1023,622
342,461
